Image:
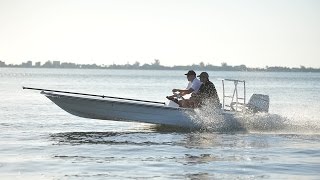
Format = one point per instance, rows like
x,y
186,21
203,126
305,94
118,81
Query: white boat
x,y
133,110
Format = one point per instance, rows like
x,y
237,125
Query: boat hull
x,y
117,110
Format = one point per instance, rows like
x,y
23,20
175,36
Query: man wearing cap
x,y
193,87
207,93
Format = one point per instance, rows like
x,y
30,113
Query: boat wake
x,y
214,121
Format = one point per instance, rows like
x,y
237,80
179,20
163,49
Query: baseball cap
x,y
191,72
204,74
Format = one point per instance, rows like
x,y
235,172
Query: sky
x,y
256,33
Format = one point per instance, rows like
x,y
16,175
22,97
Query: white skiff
x,y
134,110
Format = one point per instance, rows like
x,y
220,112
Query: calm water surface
x,y
38,140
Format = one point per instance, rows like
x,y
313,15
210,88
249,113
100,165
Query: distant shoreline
x,y
186,68
156,66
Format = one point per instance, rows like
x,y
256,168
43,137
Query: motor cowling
x,y
258,103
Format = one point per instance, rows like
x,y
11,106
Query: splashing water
x,y
210,119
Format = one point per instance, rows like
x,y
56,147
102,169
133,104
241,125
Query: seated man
x,y
207,92
193,87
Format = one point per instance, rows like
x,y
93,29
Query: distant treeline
x,y
157,66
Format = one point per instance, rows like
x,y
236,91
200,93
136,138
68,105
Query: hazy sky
x,y
256,33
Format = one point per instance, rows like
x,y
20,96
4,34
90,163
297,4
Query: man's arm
x,y
183,91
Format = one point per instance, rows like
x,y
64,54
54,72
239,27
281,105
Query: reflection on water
x,y
110,138
200,159
197,139
200,153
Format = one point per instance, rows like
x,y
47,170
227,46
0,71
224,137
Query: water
x,y
38,140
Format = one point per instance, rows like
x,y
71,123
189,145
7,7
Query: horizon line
x,y
157,62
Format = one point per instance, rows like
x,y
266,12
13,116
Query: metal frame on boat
x,y
236,103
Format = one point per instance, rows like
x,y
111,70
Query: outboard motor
x,y
258,103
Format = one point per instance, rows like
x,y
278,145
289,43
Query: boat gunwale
x,y
52,94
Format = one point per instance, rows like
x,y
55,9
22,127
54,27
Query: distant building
x,y
2,64
56,64
27,64
37,64
68,65
47,64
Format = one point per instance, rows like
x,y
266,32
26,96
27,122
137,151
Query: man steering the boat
x,y
206,94
193,87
